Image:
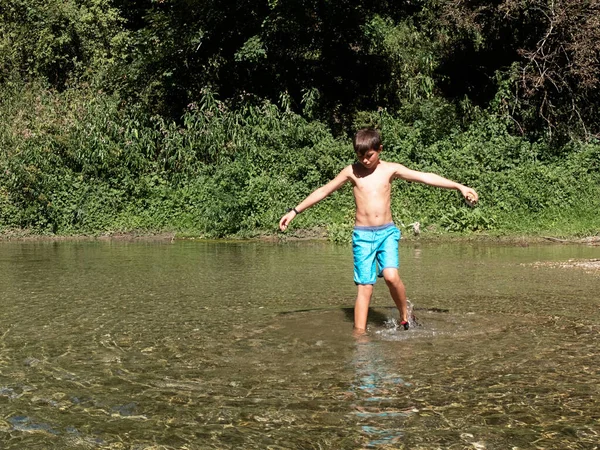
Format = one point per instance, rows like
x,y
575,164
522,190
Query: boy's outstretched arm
x,y
433,179
316,196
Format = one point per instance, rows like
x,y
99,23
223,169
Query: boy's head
x,y
366,139
367,145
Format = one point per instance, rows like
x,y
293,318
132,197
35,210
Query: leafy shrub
x,y
83,162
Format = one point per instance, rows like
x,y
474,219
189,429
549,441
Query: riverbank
x,y
305,235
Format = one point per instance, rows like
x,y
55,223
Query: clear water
x,y
191,345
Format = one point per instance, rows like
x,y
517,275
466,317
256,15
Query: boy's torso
x,y
372,193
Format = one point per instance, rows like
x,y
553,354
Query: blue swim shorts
x,y
374,249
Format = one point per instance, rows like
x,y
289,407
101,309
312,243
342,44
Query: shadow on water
x,y
376,317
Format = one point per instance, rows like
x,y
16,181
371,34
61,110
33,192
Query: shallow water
x,y
194,345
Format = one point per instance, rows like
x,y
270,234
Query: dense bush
x,y
78,161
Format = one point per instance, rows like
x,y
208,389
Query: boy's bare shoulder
x,y
346,173
351,169
395,169
390,166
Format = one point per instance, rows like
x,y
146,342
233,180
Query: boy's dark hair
x,y
366,139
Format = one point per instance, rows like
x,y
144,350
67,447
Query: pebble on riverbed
x,y
589,265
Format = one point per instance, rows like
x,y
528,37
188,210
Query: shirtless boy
x,y
375,237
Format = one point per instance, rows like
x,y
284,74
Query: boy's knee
x,y
365,289
391,276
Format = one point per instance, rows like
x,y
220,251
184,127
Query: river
x,y
201,345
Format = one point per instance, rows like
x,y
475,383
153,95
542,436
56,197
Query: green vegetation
x,y
157,116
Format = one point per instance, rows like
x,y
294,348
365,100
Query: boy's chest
x,y
373,184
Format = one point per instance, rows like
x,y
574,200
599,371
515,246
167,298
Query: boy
x,y
375,237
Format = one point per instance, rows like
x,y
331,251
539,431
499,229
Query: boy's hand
x,y
285,220
470,195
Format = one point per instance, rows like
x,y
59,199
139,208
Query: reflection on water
x,y
208,345
378,391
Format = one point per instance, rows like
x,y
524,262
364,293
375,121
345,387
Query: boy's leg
x,y
388,260
361,307
397,291
364,276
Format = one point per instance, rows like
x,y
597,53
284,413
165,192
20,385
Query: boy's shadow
x,y
375,317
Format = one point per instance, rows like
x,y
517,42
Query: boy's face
x,y
369,159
